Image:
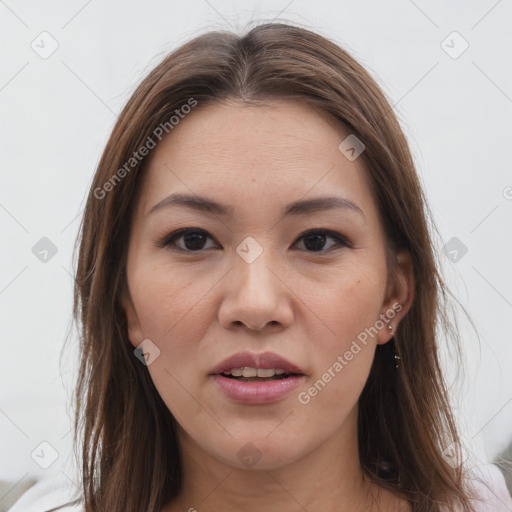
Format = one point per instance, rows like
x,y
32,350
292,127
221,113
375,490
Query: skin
x,y
199,307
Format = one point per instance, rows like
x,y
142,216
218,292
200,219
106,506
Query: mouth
x,y
249,378
248,374
252,365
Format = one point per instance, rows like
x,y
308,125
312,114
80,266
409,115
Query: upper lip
x,y
253,360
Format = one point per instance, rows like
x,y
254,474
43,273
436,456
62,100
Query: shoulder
x,y
489,489
57,494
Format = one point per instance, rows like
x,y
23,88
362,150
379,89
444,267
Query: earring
x,y
397,358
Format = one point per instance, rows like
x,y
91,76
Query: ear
x,y
132,320
399,296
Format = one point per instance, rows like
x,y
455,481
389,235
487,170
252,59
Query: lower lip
x,y
258,392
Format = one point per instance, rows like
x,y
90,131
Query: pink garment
x,y
490,487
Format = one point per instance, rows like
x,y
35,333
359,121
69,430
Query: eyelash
x,y
172,237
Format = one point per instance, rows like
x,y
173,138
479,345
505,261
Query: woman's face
x,y
263,270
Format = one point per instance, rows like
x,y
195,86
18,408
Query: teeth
x,y
247,371
267,372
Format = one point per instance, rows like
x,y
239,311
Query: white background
x,y
56,115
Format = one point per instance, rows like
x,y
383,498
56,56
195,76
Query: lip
x,y
264,360
258,392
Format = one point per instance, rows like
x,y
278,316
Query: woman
x,y
258,295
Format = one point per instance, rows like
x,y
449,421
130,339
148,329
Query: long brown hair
x,y
130,456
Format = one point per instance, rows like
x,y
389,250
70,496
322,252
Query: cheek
x,y
342,361
348,302
172,312
349,307
168,302
175,313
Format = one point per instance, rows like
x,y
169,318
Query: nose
x,y
256,297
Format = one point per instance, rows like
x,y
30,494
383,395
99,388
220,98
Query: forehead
x,y
236,152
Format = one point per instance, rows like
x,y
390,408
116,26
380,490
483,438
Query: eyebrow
x,y
301,207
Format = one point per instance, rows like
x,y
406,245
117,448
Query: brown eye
x,y
315,241
188,240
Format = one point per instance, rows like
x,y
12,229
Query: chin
x,y
258,451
